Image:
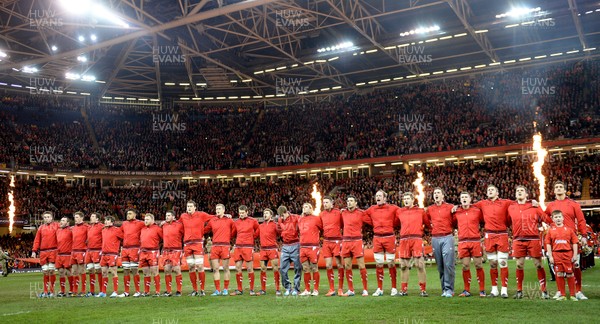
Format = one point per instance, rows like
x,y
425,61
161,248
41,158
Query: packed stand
x,y
478,111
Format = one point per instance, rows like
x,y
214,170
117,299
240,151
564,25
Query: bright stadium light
x,y
88,78
29,69
93,37
54,48
72,76
81,38
82,58
340,46
100,11
2,54
86,7
518,12
421,30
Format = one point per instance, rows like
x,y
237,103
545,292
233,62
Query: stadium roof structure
x,y
297,49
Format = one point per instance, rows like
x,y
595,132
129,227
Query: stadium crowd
x,y
399,121
35,196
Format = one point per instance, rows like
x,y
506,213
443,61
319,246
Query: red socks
x,y
179,282
350,281
520,276
330,279
481,279
467,279
379,274
363,276
393,276
504,276
541,274
494,276
126,283
168,282
194,281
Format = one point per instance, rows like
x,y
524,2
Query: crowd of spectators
x,y
476,111
34,196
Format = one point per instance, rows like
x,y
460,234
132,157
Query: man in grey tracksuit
x,y
290,251
442,240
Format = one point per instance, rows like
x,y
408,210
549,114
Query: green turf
x,y
18,304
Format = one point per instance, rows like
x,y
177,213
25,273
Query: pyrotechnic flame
x,y
537,168
316,195
11,209
418,183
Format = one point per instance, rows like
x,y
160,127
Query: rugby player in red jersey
x,y
46,245
353,220
268,251
131,228
172,250
247,230
468,220
412,220
150,238
193,245
111,244
526,221
382,217
495,216
332,242
80,230
310,227
92,256
64,237
223,229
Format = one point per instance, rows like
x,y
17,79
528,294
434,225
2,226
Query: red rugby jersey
x,y
412,220
526,220
45,238
289,229
131,232
310,227
441,219
111,239
172,235
223,229
268,234
383,218
150,237
64,236
80,232
332,224
561,238
572,214
468,222
352,222
495,214
247,230
94,236
193,225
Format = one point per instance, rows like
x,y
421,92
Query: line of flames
x,y
11,209
541,154
316,195
418,183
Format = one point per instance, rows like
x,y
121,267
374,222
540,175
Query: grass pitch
x,y
18,304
